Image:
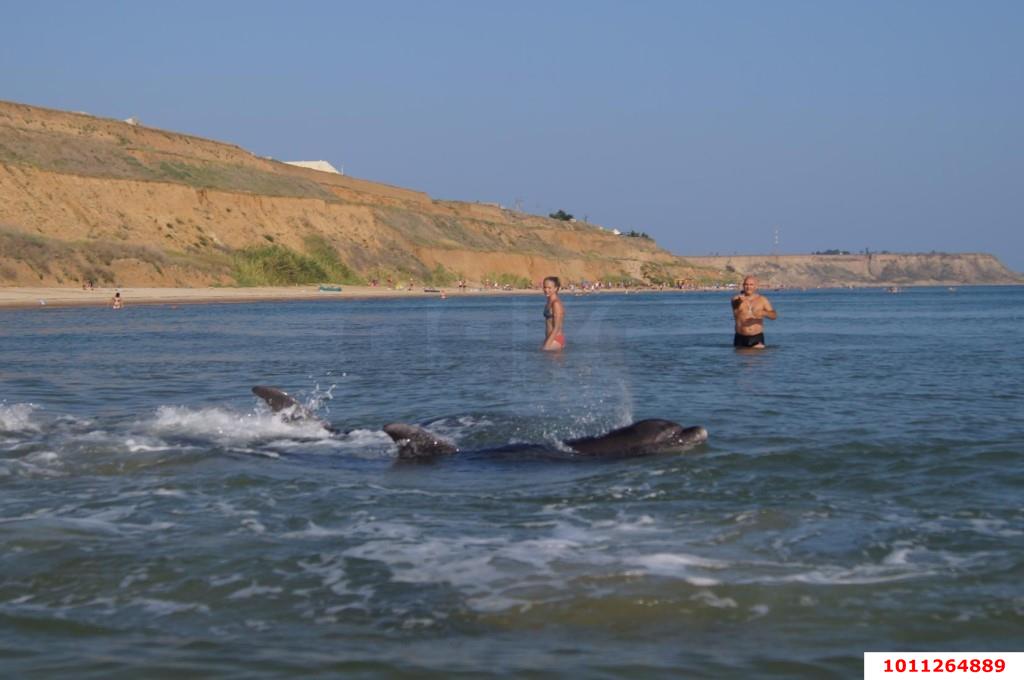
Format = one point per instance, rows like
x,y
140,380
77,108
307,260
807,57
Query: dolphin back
x,y
642,438
416,443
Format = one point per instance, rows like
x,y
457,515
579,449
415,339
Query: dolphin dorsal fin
x,y
416,443
281,402
277,400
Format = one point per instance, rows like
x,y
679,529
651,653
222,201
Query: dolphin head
x,y
415,443
664,436
642,438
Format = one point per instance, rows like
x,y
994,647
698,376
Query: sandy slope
x,y
89,198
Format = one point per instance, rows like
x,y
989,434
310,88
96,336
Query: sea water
x,y
862,488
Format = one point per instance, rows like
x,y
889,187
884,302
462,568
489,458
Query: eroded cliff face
x,y
83,197
876,269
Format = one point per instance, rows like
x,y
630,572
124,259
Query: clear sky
x,y
895,125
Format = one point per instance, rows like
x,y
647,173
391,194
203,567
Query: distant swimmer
x,y
750,309
554,314
118,301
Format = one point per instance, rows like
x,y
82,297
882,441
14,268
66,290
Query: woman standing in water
x,y
554,314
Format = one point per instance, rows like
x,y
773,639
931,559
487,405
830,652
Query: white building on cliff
x,y
322,166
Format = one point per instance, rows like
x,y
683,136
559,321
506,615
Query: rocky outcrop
x,y
875,269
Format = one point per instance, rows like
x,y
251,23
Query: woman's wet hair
x,y
554,280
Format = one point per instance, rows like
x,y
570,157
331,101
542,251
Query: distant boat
x,y
329,289
431,290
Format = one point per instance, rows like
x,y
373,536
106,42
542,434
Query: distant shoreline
x,y
24,297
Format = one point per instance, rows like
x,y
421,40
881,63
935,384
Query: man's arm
x,y
736,302
767,310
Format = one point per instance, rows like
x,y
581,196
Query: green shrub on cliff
x,y
276,265
440,276
324,254
656,274
510,280
75,260
620,279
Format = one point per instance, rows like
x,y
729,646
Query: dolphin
x,y
642,438
291,410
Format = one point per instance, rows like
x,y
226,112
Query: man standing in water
x,y
750,308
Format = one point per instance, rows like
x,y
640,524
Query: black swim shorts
x,y
740,340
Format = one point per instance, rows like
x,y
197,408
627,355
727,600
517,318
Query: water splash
x,y
18,418
230,427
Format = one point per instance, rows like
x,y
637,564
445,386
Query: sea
x,y
862,488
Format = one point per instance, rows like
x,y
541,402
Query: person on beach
x,y
117,302
554,314
750,309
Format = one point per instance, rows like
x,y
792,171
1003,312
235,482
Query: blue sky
x,y
884,125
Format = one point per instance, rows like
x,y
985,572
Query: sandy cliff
x,y
84,197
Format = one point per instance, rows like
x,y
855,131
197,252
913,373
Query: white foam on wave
x,y
365,438
710,599
171,493
35,464
458,427
255,590
136,446
900,555
759,610
43,457
496,573
314,530
330,569
61,525
368,444
17,418
111,521
167,607
994,527
677,565
669,564
905,561
231,427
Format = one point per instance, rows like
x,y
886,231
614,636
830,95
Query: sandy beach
x,y
16,297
